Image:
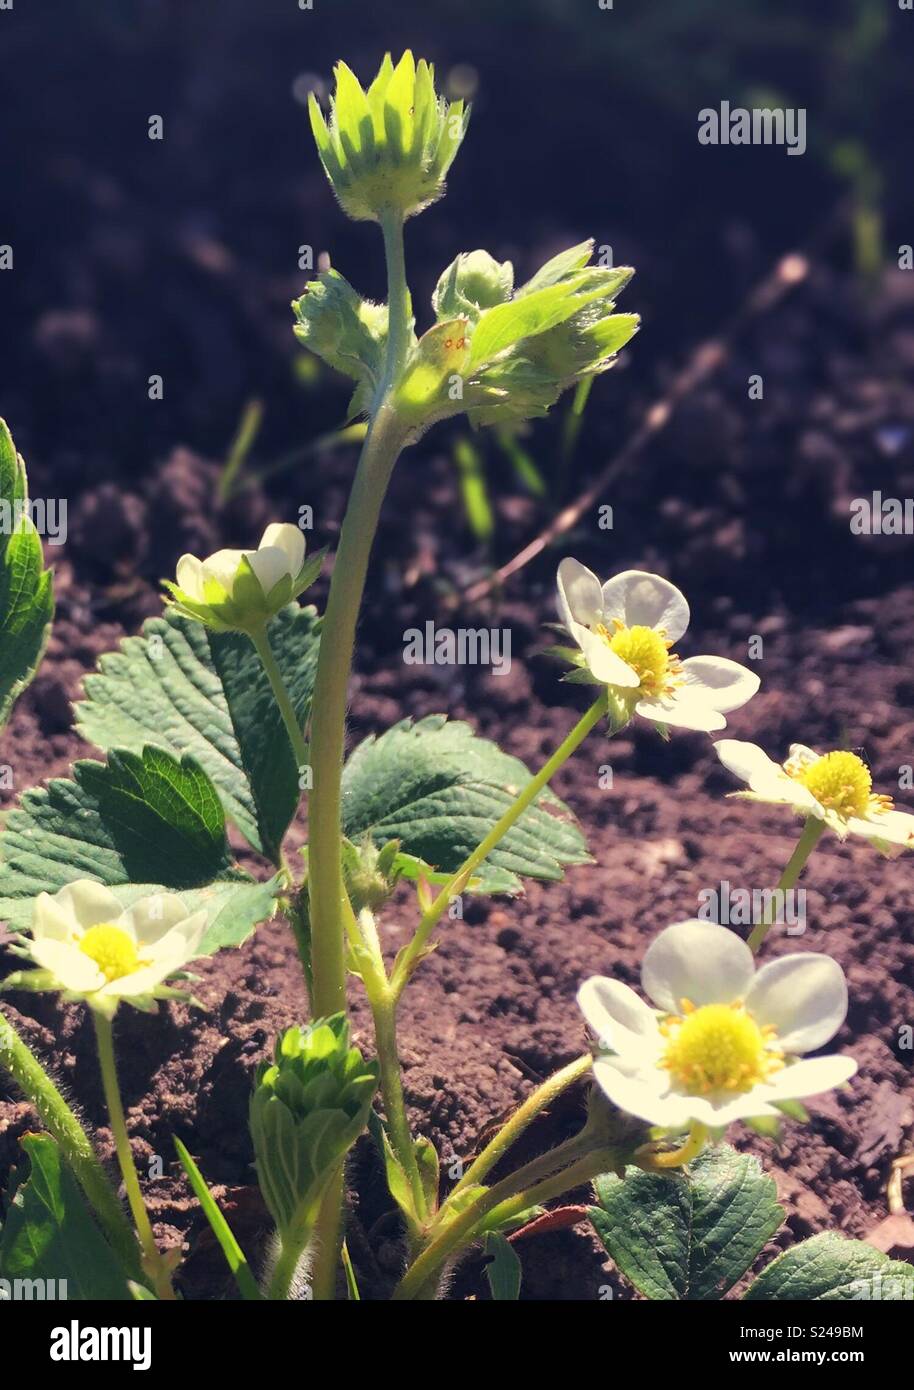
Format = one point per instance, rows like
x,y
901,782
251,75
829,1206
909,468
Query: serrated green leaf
x,y
438,789
832,1269
49,1234
559,267
140,825
26,591
187,689
504,1269
688,1236
528,315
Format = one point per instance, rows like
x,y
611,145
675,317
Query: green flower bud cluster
x,y
504,356
309,1106
348,332
387,151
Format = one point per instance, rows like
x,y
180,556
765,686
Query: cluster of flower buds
x,y
309,1106
524,347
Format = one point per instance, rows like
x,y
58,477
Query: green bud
x,y
370,874
556,330
387,150
348,332
240,590
309,1106
473,282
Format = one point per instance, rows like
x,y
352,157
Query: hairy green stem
x,y
384,1012
297,739
291,1252
325,880
457,882
812,833
506,1199
399,306
153,1262
538,1101
35,1083
383,444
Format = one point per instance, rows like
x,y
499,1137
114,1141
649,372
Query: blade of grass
x,y
525,469
248,430
349,434
351,1282
473,490
571,431
234,1255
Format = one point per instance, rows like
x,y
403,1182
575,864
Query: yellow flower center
x,y
718,1047
113,951
647,652
840,782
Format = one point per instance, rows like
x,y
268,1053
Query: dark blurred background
x,y
179,256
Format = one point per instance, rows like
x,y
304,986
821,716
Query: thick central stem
x,y
328,722
385,440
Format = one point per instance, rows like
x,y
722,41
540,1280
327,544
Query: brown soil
x,y
181,258
492,1010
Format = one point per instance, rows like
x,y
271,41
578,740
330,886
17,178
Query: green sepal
x,y
387,150
309,1106
429,1172
26,587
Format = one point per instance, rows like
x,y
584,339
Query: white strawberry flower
x,y
626,628
725,1042
89,947
237,590
834,787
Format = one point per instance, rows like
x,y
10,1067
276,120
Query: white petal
x,y
698,961
602,661
150,918
641,599
282,535
810,1077
722,684
681,711
189,577
745,760
616,1016
894,827
75,908
726,1108
641,1095
766,777
223,567
803,996
269,565
579,594
803,756
70,966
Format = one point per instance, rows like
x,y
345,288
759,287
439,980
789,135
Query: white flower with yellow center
x,y
89,947
626,629
238,590
724,1044
835,787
